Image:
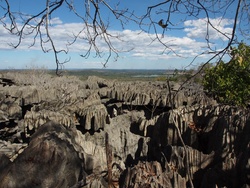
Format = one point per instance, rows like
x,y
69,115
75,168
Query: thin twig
x,y
109,160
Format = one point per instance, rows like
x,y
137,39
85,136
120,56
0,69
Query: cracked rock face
x,y
55,129
47,161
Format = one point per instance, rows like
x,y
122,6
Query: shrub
x,y
230,82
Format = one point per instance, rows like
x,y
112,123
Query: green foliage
x,y
181,76
230,82
161,78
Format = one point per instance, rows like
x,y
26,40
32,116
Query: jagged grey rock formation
x,y
151,174
9,108
47,161
157,138
12,150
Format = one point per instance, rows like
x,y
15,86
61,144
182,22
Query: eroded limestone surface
x,y
55,129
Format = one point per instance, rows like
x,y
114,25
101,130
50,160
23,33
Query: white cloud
x,y
55,21
198,28
143,44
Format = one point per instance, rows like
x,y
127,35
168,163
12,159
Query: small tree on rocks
x,y
229,83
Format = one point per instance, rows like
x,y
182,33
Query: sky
x,y
138,49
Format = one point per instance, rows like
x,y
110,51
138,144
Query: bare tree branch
x,y
159,18
170,11
94,30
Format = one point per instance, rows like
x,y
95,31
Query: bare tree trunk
x,y
109,160
171,100
186,153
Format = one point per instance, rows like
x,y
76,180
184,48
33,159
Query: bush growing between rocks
x,y
229,83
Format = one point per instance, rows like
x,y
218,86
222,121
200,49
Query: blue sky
x,y
186,42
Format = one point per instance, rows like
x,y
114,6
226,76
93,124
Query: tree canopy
x,y
230,82
159,17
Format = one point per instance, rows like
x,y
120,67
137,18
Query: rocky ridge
x,y
158,137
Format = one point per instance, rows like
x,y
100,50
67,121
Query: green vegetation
x,y
122,75
133,75
180,75
229,83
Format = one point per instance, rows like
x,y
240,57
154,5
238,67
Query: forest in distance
x,y
119,74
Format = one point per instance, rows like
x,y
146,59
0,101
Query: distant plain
x,y
122,74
